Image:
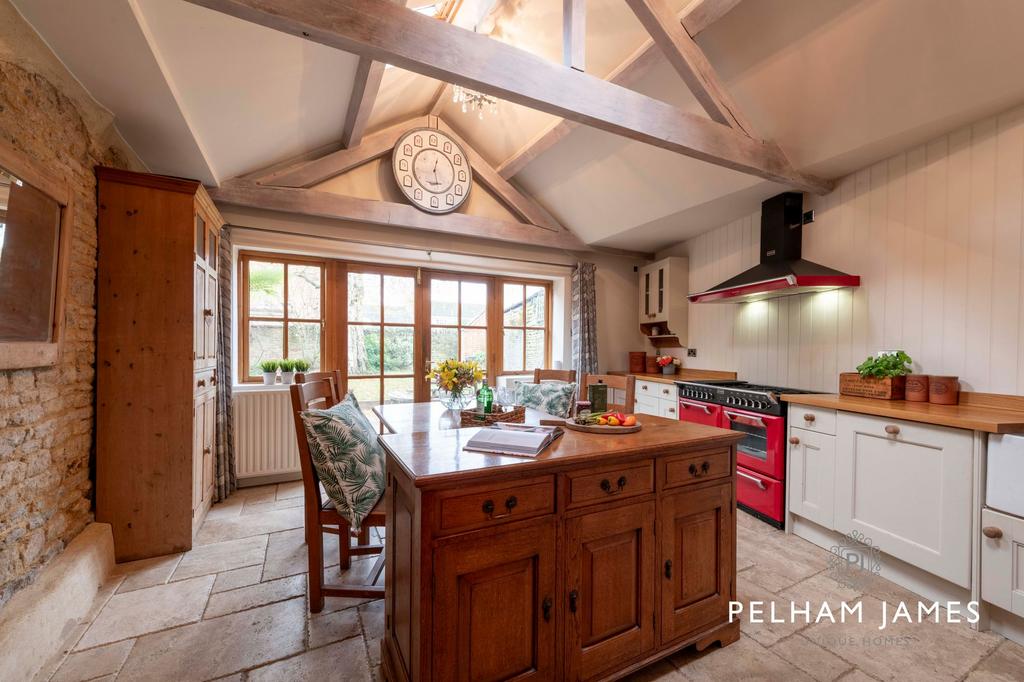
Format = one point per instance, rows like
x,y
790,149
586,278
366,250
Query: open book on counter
x,y
523,440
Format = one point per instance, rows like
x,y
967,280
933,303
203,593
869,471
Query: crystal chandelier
x,y
473,100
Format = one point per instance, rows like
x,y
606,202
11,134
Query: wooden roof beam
x,y
574,33
400,36
360,104
700,14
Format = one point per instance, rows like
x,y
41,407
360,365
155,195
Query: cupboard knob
x,y
488,507
546,606
621,482
201,382
672,410
208,312
808,417
206,451
573,597
668,568
892,429
793,440
606,485
992,532
643,388
511,502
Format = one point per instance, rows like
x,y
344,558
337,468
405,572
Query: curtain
x,y
584,319
225,483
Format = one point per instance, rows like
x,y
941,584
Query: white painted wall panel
x,y
936,235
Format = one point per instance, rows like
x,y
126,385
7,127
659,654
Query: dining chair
x,y
627,384
566,375
321,515
334,376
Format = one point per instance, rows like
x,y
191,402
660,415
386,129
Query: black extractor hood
x,y
781,272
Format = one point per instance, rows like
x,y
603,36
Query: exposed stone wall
x,y
46,414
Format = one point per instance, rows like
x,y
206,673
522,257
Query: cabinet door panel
x,y
198,430
199,321
1002,562
209,442
210,320
610,568
909,491
812,476
697,538
490,620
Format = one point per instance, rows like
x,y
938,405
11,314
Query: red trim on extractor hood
x,y
774,288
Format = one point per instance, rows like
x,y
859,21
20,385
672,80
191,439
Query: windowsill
x,y
258,388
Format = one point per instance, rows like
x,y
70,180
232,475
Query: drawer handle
x,y
643,388
698,472
808,417
665,391
511,503
546,607
201,382
892,429
206,451
992,532
621,482
573,598
668,568
207,312
488,507
793,440
757,481
671,409
685,405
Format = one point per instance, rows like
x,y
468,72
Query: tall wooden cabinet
x,y
156,376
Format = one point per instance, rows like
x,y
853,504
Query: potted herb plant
x,y
880,376
287,371
269,369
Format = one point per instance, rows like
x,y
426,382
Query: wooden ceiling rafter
x,y
369,74
574,34
700,14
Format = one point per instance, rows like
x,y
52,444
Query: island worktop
x,y
590,561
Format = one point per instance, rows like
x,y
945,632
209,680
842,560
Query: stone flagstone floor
x,y
234,608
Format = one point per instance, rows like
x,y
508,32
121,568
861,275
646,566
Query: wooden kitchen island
x,y
601,556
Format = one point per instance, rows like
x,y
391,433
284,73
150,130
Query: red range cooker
x,y
760,415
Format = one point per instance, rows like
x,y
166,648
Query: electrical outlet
x,y
691,352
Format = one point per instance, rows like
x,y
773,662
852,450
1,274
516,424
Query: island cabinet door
x,y
610,581
697,551
494,615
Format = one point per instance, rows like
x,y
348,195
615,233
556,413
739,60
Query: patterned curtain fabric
x,y
584,319
226,482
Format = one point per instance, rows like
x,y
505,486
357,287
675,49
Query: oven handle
x,y
745,419
757,481
683,404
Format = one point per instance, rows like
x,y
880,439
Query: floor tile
x,y
263,507
146,572
148,610
97,662
822,665
371,615
255,595
260,493
761,627
219,646
103,595
237,577
743,660
342,661
287,553
333,627
221,556
780,560
222,529
357,574
1005,664
289,490
662,671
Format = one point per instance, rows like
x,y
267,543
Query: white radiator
x,y
264,434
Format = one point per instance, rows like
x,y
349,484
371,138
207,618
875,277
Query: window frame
x,y
546,327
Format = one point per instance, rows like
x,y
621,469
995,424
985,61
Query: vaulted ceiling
x,y
838,84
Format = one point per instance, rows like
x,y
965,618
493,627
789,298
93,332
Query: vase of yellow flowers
x,y
456,382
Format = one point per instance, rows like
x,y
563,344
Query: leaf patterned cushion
x,y
553,397
347,458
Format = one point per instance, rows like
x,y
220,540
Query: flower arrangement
x,y
668,364
456,382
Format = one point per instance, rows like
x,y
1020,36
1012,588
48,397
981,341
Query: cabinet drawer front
x,y
647,388
646,404
486,506
203,381
610,483
697,467
813,419
669,409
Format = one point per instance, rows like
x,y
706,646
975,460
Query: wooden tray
x,y
596,428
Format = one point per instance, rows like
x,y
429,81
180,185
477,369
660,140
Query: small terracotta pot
x,y
943,390
917,388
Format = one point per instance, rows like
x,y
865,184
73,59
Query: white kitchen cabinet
x,y
669,410
907,486
663,288
659,399
812,476
1002,561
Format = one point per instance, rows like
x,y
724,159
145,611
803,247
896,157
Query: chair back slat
x,y
566,375
623,383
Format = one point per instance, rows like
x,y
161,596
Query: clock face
x,y
431,170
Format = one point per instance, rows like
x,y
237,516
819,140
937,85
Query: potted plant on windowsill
x,y
269,369
287,371
302,365
881,376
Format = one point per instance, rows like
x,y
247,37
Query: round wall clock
x,y
432,170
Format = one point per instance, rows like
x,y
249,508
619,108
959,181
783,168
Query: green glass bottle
x,y
485,399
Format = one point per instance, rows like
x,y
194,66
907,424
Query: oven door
x,y
763,448
700,412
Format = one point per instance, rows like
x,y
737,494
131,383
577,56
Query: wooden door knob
x,y
793,440
892,429
808,417
992,532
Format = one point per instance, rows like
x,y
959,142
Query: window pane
x,y
444,344
363,349
535,348
304,291
536,306
398,390
398,350
367,391
266,289
474,304
304,343
444,301
266,342
399,299
363,297
513,350
474,346
513,305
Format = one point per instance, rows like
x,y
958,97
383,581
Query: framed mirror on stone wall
x,y
35,237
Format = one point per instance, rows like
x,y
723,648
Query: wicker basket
x,y
889,388
517,415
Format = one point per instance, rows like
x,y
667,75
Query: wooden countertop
x,y
436,456
984,415
680,375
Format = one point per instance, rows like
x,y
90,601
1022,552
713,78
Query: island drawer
x,y
695,467
592,486
487,505
813,419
